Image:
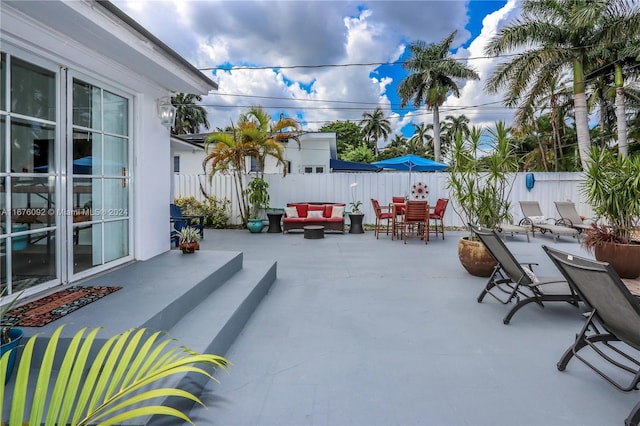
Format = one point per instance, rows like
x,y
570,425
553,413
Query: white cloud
x,y
290,33
481,109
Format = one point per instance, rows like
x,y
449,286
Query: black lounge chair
x,y
613,320
512,281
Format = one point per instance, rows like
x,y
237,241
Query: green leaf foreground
x,y
110,389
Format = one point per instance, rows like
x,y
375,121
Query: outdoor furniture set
x,y
410,218
612,327
300,215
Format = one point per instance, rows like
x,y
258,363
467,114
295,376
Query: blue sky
x,y
319,60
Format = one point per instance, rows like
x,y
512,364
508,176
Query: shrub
x,y
215,211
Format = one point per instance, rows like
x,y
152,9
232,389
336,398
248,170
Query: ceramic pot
x,y
16,335
624,258
475,258
255,225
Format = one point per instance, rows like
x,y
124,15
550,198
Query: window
x,y
314,169
176,164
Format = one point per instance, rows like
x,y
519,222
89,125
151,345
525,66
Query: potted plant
x,y
480,184
9,336
612,188
188,238
356,216
258,193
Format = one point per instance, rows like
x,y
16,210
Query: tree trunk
x,y
621,118
582,119
436,133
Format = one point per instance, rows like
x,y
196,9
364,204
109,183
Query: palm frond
x,y
118,385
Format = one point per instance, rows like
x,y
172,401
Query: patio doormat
x,y
56,305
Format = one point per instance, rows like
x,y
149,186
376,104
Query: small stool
x,y
313,232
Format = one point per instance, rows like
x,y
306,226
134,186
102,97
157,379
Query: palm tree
x,y
619,36
421,141
432,70
189,116
454,124
254,135
375,126
555,36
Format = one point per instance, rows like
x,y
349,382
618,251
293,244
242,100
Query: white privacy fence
x,y
336,187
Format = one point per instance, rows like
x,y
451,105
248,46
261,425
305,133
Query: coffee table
x,y
313,232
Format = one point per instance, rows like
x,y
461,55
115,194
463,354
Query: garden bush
x,y
215,211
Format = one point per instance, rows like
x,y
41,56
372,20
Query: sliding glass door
x,y
64,175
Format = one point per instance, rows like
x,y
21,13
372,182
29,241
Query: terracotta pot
x,y
475,257
189,247
624,258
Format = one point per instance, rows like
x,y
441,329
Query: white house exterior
x,y
312,155
85,163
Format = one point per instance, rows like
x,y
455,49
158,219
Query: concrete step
x,y
202,300
213,325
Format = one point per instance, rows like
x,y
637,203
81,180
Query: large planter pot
x,y
16,335
255,225
624,258
475,258
188,248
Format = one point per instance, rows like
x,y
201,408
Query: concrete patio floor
x,y
359,331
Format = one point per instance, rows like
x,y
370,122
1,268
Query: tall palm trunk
x,y
557,147
436,132
621,118
580,105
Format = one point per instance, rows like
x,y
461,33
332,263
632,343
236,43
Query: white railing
x,y
335,187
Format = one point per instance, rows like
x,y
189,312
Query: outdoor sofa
x,y
299,215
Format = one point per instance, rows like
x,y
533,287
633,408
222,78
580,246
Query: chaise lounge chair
x,y
513,282
570,217
534,218
612,329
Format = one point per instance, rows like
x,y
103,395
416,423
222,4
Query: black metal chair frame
x,y
509,281
614,317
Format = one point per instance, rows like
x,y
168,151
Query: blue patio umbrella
x,y
411,162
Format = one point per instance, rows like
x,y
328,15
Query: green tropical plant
x,y
258,193
123,382
375,126
4,332
214,210
188,235
189,116
432,74
612,188
553,38
480,182
255,135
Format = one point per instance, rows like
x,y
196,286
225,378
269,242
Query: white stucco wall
x,y
42,33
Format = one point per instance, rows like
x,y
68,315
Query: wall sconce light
x,y
166,112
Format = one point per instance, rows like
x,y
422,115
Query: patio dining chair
x,y
570,217
512,281
612,327
535,219
381,216
415,221
179,221
438,215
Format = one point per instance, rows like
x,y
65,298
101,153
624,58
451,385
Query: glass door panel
x,y
29,147
116,239
100,160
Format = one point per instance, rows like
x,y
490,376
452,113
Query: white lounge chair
x,y
534,218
